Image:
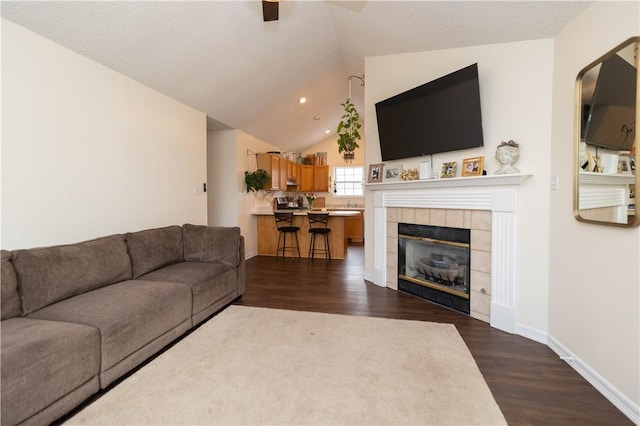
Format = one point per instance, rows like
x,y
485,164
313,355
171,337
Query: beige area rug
x,y
269,366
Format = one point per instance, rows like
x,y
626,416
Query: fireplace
x,y
487,205
434,264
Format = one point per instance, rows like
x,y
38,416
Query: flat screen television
x,y
610,116
439,116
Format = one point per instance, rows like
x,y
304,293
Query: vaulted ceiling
x,y
222,59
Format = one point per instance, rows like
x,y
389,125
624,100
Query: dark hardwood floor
x,y
528,380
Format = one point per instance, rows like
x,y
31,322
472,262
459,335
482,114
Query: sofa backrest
x,y
212,244
50,274
9,293
154,248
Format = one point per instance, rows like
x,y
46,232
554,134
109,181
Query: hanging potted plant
x,y
256,180
348,131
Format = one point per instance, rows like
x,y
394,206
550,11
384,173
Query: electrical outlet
x,y
554,182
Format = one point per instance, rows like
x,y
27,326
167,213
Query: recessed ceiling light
x,y
302,100
327,131
316,117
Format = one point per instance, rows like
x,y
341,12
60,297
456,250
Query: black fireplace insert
x,y
434,263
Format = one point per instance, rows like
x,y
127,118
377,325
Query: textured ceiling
x,y
221,58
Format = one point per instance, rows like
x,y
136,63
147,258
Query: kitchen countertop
x,y
331,212
359,208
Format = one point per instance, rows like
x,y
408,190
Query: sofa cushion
x,y
9,288
42,361
129,314
211,244
209,282
48,275
154,248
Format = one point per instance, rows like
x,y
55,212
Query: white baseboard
x,y
532,333
503,317
248,256
371,279
617,398
379,278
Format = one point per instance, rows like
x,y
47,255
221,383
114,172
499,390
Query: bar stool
x,y
284,223
318,226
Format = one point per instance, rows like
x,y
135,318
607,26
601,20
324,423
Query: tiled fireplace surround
x,y
487,205
480,224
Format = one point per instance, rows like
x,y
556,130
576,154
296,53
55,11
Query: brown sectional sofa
x,y
77,317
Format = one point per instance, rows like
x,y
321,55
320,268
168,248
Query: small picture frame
x,y
375,173
392,173
472,166
624,166
449,169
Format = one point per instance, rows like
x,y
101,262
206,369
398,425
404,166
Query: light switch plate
x,y
198,189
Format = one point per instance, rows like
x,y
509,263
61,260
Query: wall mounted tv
x,y
439,116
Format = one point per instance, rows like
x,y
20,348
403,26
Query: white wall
x,y
516,94
230,153
88,152
222,192
594,297
330,146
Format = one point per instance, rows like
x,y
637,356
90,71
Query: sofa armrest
x,y
212,244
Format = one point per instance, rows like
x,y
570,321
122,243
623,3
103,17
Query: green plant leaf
x,y
256,180
348,127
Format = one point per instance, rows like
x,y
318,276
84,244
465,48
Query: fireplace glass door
x,y
433,263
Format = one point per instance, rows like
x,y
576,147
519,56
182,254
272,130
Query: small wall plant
x,y
256,180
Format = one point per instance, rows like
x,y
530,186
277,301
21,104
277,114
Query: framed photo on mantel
x,y
392,173
449,169
375,173
472,166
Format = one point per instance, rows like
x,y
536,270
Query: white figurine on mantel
x,y
507,154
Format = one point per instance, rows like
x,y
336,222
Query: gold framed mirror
x,y
606,140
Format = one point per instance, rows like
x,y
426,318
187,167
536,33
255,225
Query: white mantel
x,y
496,193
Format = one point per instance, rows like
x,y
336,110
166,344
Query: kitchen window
x,y
348,181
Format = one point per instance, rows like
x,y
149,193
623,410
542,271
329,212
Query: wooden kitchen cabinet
x,y
290,171
321,178
283,174
276,167
281,170
355,228
306,179
314,179
293,173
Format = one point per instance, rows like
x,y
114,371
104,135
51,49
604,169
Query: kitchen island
x,y
268,233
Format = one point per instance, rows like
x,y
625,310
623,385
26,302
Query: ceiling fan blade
x,y
270,10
